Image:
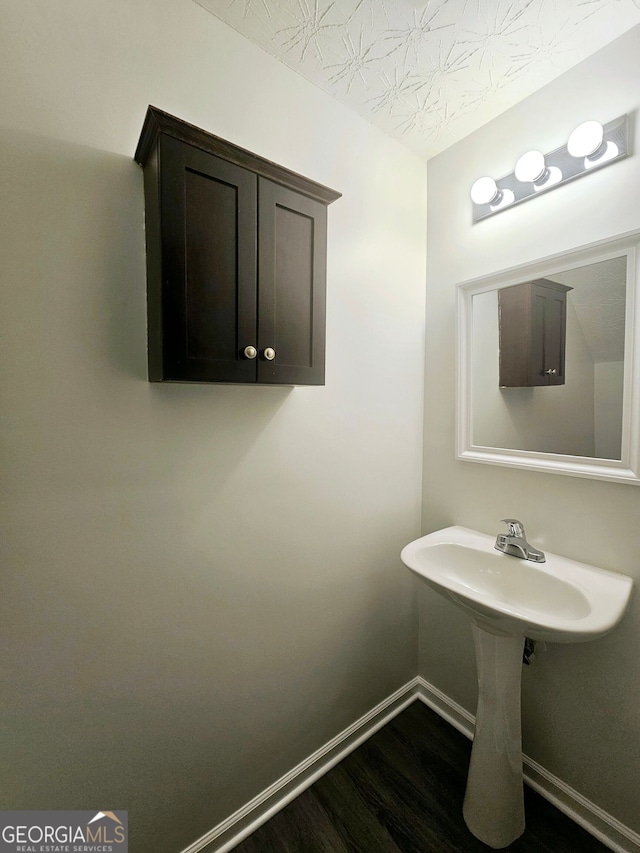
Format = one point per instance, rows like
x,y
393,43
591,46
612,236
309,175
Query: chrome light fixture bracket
x,y
558,167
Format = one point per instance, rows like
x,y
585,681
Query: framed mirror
x,y
548,372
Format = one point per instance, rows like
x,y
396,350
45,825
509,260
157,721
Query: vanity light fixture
x,y
590,146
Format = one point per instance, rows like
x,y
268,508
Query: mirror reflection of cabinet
x,y
533,323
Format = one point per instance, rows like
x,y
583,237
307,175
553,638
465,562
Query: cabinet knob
x,y
250,352
269,353
551,371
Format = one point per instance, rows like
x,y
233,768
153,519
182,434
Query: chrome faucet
x,y
515,542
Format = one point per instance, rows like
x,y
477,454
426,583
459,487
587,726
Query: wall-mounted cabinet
x,y
236,261
533,323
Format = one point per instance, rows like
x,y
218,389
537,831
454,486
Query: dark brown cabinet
x,y
532,322
236,261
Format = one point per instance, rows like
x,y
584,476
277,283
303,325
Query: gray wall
x,y
201,585
581,703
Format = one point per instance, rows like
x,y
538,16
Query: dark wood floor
x,y
402,792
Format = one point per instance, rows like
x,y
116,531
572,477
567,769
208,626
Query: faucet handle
x,y
516,528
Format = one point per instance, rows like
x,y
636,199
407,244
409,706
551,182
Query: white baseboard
x,y
242,823
453,713
591,817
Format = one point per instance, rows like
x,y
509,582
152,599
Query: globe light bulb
x,y
530,167
484,191
586,139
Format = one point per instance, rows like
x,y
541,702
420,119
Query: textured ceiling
x,y
429,72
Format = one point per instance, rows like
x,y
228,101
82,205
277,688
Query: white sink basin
x,y
560,600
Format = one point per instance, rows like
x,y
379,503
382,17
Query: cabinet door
x,y
514,322
532,324
539,335
548,335
291,286
555,337
208,214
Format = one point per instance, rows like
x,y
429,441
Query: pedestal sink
x,y
508,599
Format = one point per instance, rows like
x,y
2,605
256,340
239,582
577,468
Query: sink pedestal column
x,y
493,803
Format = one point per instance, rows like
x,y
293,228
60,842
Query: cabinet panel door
x,y
291,285
209,266
555,336
539,335
548,329
514,323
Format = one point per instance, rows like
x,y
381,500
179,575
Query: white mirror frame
x,y
625,470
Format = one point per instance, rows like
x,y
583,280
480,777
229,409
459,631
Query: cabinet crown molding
x,y
159,122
